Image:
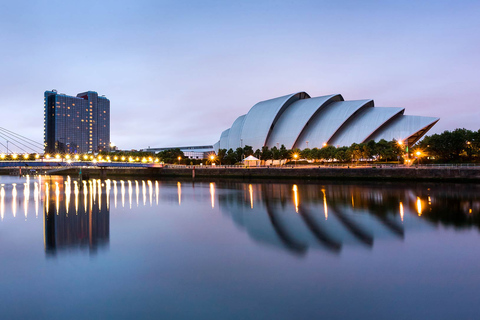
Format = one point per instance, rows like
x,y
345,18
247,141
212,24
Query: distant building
x,y
190,152
78,124
299,121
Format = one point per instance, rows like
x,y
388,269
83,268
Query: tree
x,y
247,151
284,152
221,155
266,153
342,155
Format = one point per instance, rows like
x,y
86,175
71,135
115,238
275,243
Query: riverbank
x,y
458,174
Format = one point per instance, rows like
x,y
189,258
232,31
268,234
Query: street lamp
x,y
295,156
212,159
179,158
418,153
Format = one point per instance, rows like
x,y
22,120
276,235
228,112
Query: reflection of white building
x,y
289,222
299,121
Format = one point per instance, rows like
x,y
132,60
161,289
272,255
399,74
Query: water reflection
x,y
292,217
87,228
297,217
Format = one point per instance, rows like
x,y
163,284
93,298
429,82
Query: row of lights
x,y
16,156
85,157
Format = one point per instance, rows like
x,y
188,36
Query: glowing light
x,y
401,211
67,156
115,193
76,192
123,193
137,190
295,156
85,157
85,194
324,144
47,156
14,199
400,142
26,196
93,188
212,194
295,197
123,158
130,192
77,157
150,191
47,198
14,156
99,195
419,206
2,156
144,192
115,158
25,156
325,207
67,192
418,153
179,190
250,191
37,156
57,156
144,159
57,197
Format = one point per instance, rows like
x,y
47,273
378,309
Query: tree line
x,y
382,150
459,145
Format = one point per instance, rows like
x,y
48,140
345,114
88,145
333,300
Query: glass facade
x,y
78,124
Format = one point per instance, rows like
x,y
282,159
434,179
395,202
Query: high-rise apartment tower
x,y
78,124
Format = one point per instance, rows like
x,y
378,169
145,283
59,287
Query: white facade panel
x,y
326,123
294,119
235,134
403,128
362,125
224,139
262,117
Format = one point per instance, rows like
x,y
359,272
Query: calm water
x,y
146,249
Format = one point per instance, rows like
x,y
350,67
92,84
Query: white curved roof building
x,y
299,121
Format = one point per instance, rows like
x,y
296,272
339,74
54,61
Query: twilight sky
x,y
180,72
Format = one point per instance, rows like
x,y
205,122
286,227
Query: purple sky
x,y
180,72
